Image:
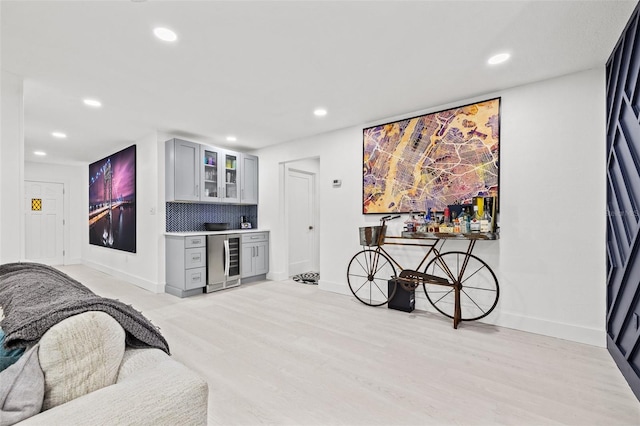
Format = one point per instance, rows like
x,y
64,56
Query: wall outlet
x,y
337,183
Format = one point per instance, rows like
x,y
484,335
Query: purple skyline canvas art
x,y
112,201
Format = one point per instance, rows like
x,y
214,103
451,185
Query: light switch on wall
x,y
152,210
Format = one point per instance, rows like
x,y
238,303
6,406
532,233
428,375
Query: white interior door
x,y
44,222
301,220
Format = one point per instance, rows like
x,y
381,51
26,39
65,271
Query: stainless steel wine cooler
x,y
223,262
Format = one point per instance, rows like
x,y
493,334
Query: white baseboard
x,y
574,333
333,287
137,281
277,276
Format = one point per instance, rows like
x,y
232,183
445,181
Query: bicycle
x,y
458,284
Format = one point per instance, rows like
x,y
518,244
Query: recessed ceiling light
x,y
320,112
498,59
58,135
231,138
92,103
165,34
40,153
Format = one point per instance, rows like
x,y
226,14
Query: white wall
x,y
550,259
11,169
553,167
143,267
75,210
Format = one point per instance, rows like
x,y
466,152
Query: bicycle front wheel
x,y
478,285
368,275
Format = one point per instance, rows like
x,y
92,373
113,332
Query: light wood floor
x,y
284,353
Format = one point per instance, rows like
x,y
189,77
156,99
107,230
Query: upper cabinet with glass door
x,y
210,173
219,175
231,193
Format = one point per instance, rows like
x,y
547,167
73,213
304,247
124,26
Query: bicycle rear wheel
x,y
478,284
368,274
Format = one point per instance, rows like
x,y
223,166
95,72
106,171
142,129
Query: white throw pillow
x,y
79,355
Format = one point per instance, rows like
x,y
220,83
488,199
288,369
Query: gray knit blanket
x,y
35,297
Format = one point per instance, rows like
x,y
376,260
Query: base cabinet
x,y
186,266
255,254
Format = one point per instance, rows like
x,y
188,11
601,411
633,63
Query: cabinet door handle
x,y
197,190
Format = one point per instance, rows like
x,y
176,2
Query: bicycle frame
x,y
383,239
432,249
432,243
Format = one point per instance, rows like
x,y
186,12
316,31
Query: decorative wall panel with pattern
x,y
623,204
187,217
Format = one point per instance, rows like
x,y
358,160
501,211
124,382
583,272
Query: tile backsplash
x,y
188,217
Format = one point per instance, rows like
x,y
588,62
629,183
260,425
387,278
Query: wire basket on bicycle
x,y
372,235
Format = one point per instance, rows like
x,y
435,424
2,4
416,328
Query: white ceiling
x,y
257,69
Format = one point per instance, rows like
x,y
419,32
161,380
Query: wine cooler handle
x,y
227,258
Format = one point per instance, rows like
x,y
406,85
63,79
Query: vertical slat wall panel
x,y
634,58
623,203
613,107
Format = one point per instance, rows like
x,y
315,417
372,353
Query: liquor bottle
x,y
416,222
447,215
456,226
490,207
409,224
485,222
474,225
462,221
479,201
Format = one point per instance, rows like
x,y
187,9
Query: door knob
x,y
310,227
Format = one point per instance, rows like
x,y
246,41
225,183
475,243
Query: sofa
x,y
71,357
91,378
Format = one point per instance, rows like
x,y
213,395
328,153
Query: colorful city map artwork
x,y
433,160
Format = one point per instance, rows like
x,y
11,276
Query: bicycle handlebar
x,y
384,219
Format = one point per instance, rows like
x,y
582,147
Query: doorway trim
x,y
284,209
65,210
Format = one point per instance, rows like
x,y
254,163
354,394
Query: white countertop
x,y
228,231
